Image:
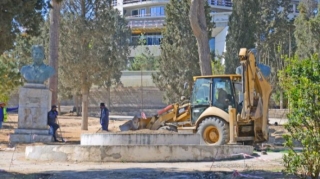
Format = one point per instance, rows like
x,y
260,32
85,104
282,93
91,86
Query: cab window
x,y
201,92
222,92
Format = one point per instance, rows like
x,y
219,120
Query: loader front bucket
x,y
130,125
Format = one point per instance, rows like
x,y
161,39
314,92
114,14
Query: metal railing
x,y
147,15
225,3
115,3
146,23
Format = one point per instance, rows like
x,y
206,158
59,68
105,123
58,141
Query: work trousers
x,y
54,127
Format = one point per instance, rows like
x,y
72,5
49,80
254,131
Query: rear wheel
x,y
214,131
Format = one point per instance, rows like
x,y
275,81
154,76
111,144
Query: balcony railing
x,y
225,3
115,2
146,23
145,15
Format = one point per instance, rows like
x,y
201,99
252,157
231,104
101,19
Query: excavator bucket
x,y
135,124
130,125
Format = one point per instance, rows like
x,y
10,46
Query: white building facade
x,y
148,17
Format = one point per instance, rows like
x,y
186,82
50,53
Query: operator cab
x,y
217,91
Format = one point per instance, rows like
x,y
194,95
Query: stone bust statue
x,y
38,72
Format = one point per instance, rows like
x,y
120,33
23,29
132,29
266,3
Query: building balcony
x,y
221,19
138,3
220,4
146,24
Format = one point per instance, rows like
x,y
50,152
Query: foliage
x,y
144,61
301,80
307,32
241,33
275,34
19,16
217,67
94,45
9,76
263,26
179,59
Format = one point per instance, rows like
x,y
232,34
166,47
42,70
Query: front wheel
x,y
214,131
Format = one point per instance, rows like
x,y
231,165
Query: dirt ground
x,y
14,165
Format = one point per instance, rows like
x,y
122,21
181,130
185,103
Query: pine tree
x,y
276,39
307,32
94,48
9,76
179,59
17,16
242,31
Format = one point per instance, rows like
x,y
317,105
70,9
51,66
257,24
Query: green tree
x,y
94,47
276,39
307,32
179,59
18,16
217,67
9,76
242,31
301,80
144,61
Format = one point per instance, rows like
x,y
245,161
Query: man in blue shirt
x,y
3,112
52,117
104,117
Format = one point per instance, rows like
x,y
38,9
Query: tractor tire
x,y
169,128
214,131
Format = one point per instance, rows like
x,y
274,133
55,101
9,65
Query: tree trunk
x,y
85,102
281,99
54,44
108,98
199,27
59,107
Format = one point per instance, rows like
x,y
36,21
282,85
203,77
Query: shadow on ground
x,y
143,173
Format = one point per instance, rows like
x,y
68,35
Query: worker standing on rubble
x,y
104,117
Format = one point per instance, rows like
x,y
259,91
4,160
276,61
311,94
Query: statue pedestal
x,y
34,105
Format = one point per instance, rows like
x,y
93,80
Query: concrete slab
x,y
139,139
134,153
30,138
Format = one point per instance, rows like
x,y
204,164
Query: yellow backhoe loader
x,y
222,109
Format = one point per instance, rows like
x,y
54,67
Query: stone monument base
x,y
34,105
30,136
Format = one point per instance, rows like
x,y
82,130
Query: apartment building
x,y
148,17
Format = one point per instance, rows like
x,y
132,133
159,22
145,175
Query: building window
x,y
147,38
157,11
114,3
212,44
138,12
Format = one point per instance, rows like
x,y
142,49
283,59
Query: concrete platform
x,y
30,135
134,153
139,139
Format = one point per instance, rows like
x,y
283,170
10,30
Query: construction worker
x,y
52,118
3,112
104,117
